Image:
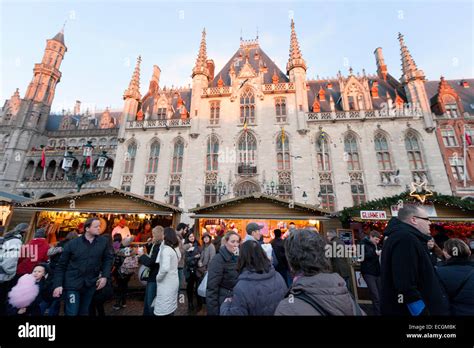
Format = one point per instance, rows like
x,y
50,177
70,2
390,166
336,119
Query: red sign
x,y
373,215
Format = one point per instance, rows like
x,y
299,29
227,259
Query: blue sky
x,y
105,37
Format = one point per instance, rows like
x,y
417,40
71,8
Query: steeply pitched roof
x,y
466,94
255,63
59,37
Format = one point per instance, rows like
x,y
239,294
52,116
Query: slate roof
x,y
466,94
54,120
255,63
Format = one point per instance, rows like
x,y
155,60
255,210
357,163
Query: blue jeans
x,y
52,307
181,278
150,293
78,302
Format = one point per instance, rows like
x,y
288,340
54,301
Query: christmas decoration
x,y
420,191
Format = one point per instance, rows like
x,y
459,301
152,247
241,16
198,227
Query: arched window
x,y
130,158
82,142
52,143
60,173
246,188
283,152
322,150
247,153
154,156
451,106
247,107
382,152
72,142
352,151
28,171
414,151
50,170
178,154
102,143
212,156
215,112
280,109
113,143
62,143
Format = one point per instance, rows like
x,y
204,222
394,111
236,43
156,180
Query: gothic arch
x,y
355,96
246,187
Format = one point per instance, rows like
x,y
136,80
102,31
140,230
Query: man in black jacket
x,y
370,268
84,267
278,246
409,282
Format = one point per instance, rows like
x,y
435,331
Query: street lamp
x,y
220,189
305,197
86,175
271,189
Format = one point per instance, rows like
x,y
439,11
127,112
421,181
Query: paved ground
x,y
135,306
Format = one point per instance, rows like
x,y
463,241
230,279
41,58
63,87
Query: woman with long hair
x,y
259,287
167,279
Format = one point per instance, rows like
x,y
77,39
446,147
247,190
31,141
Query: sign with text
x,y
373,214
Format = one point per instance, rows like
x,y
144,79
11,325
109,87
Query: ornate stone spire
x,y
133,90
409,68
201,61
296,58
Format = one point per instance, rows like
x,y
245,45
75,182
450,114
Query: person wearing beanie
x,y
10,248
34,252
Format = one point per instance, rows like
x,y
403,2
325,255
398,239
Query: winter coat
x,y
278,246
191,261
256,294
221,278
167,281
452,274
407,270
36,252
9,255
150,262
181,250
340,265
207,253
82,262
329,290
371,263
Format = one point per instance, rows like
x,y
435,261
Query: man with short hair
x,y
253,233
409,283
10,249
340,265
84,267
370,268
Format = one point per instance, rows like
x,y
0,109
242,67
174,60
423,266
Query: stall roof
x,y
12,198
106,200
259,206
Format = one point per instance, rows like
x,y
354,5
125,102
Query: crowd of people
x,y
227,275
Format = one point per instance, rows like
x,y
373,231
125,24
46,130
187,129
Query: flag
x,y
43,158
468,138
88,161
282,135
245,123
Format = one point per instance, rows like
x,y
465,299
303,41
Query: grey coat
x,y
207,253
327,289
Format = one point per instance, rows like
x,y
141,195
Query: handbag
x,y
143,274
202,286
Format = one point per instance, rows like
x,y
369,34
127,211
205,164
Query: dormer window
x,y
451,106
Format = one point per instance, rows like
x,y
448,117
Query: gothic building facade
x,y
251,127
27,127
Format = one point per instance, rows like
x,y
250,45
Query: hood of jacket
x,y
328,290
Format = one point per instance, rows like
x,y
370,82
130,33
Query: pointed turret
x,y
409,68
296,58
59,37
133,90
201,61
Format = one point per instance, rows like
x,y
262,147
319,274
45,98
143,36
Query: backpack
x,y
129,265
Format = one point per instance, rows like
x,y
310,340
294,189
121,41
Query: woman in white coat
x,y
167,280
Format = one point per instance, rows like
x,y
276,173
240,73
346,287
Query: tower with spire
x,y
296,70
26,128
413,81
200,78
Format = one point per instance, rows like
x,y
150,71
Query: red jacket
x,y
32,253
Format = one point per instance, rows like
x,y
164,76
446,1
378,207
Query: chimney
x,y
375,89
381,67
210,67
77,108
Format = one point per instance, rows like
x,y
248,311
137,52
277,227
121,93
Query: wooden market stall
x,y
7,201
272,212
65,213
